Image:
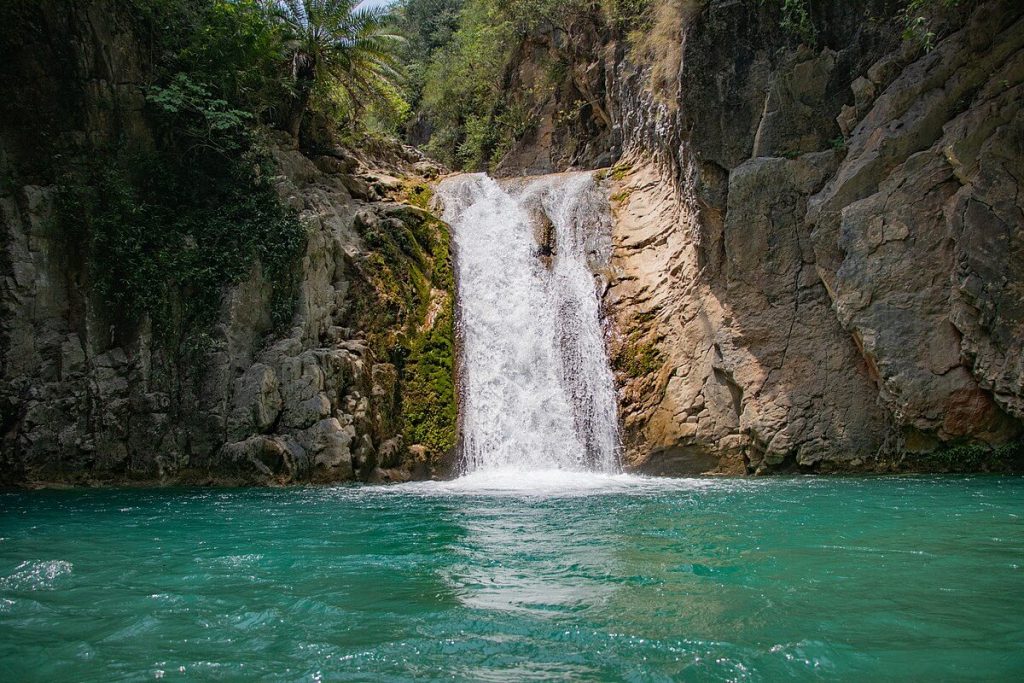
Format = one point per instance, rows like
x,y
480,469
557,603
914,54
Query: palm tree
x,y
339,51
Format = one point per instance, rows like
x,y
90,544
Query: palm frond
x,y
349,55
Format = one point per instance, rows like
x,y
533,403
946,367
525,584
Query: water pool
x,y
501,577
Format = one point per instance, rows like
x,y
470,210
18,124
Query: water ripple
x,y
547,576
34,575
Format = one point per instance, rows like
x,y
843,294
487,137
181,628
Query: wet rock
x,y
544,234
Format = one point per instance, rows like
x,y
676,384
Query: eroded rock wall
x,y
820,248
85,400
562,78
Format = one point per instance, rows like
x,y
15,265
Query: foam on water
x,y
36,575
538,393
515,481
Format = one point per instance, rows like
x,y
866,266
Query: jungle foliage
x,y
166,223
462,101
342,58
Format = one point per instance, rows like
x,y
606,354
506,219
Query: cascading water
x,y
537,390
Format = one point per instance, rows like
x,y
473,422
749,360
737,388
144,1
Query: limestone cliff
x,y
820,248
86,398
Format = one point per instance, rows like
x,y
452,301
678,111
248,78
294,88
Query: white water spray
x,y
536,387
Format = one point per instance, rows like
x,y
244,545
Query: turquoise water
x,y
909,578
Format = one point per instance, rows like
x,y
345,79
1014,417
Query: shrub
x,y
166,226
923,19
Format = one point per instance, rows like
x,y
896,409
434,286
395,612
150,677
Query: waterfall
x,y
537,391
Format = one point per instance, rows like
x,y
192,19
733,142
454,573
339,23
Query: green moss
x,y
429,405
622,196
645,316
393,291
620,171
976,456
405,301
418,194
637,359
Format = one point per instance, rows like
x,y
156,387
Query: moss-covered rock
x,y
429,405
406,307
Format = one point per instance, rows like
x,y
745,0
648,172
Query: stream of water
x,y
537,390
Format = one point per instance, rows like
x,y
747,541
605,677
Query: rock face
x,y
571,113
821,250
818,266
82,402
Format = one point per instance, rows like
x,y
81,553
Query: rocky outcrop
x,y
315,403
818,265
88,399
820,248
560,80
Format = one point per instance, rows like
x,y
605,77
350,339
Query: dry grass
x,y
662,44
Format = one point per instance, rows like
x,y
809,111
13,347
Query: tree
x,y
341,54
428,25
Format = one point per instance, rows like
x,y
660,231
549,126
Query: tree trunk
x,y
303,93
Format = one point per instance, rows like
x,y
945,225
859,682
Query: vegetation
x,y
466,50
622,196
166,225
153,256
283,59
923,20
170,218
230,47
619,172
418,194
462,86
428,26
405,301
637,358
343,57
473,118
658,41
429,403
795,19
975,457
